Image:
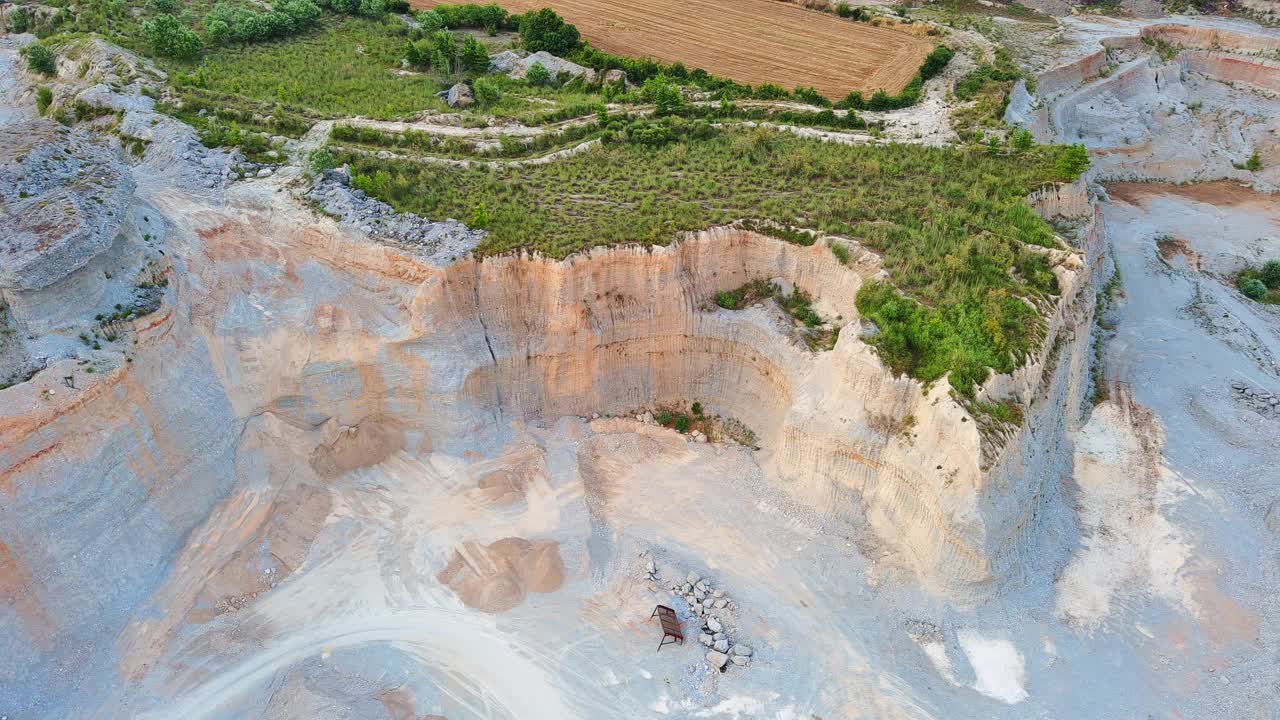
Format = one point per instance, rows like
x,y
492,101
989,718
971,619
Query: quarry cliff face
x,y
287,352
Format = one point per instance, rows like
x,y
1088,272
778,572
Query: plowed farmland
x,y
751,41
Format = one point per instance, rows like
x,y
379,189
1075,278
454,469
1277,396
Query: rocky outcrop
x,y
518,68
63,200
443,241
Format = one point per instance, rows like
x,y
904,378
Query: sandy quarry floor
x,y
751,41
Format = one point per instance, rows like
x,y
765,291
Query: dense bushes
x,y
19,20
229,23
1072,162
168,37
491,18
40,59
545,30
1261,283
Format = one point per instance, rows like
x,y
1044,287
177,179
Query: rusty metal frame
x,y
671,629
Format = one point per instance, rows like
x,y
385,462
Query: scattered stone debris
x,y
709,604
352,207
1262,402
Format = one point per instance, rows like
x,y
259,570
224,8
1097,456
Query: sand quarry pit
x,y
335,479
750,41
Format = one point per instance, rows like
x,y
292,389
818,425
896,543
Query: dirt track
x,y
751,41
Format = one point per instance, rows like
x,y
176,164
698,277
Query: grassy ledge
x,y
952,225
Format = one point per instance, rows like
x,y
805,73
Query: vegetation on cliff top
x,y
952,225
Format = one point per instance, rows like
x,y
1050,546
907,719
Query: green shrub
x,y
682,423
479,217
1270,274
664,417
936,61
769,91
474,55
322,160
811,96
859,14
696,408
162,7
545,30
1254,289
667,99
486,17
1254,163
487,91
444,51
431,21
537,74
727,300
168,37
1022,140
44,98
1072,162
19,20
40,59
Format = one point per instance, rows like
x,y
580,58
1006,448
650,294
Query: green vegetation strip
x,y
342,69
953,225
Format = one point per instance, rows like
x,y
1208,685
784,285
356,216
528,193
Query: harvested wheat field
x,y
751,41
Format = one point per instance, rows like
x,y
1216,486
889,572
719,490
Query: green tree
x,y
1022,140
168,37
40,59
162,7
1254,289
667,99
545,30
1072,162
538,74
474,55
444,51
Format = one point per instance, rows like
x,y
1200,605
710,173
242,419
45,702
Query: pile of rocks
x,y
714,609
1260,401
352,207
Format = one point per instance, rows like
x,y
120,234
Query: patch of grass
x,y
952,225
989,86
752,292
348,67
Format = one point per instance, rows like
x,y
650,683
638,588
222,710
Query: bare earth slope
x,y
751,41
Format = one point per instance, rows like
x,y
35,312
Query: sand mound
x,y
496,577
357,446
